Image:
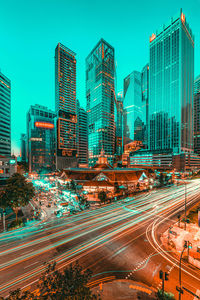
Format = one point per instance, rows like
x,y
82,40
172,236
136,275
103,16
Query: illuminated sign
x,y
12,161
1,171
44,125
36,139
152,37
182,17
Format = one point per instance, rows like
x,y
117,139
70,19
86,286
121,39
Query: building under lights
x,y
119,125
41,143
197,115
65,106
145,96
5,116
171,67
100,94
82,134
134,109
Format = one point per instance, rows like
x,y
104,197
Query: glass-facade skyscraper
x,y
5,116
197,115
82,133
100,94
170,124
65,106
134,109
119,125
145,96
41,143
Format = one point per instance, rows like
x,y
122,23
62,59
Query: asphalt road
x,y
121,240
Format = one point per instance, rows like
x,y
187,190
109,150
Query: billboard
x,y
46,125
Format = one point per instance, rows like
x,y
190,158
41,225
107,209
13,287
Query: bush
x,y
16,224
166,296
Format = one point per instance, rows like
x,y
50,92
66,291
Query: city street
x,y
121,240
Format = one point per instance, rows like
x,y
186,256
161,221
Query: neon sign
x,y
44,125
152,37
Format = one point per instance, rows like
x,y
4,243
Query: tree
x,y
17,193
20,295
73,185
69,284
165,296
102,196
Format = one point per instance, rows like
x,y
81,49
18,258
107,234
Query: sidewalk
x,y
124,289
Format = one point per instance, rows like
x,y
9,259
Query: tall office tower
x,y
65,89
197,115
134,112
5,116
145,95
23,147
197,85
41,142
171,87
100,93
82,133
119,125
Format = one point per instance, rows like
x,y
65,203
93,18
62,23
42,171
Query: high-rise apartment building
x,y
5,116
170,124
65,106
100,93
197,115
82,133
41,142
134,111
119,125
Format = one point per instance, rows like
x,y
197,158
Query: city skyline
x,y
131,43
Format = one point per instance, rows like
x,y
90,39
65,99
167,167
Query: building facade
x,y
65,106
134,109
100,94
197,85
145,97
119,125
170,124
82,133
8,166
23,141
41,142
197,115
5,116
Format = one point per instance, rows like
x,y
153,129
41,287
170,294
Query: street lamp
x,y
179,288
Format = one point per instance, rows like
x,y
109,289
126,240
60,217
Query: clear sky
x,y
30,31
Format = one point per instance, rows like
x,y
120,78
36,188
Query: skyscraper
x,y
145,95
171,68
65,106
134,111
197,115
23,147
82,133
100,93
41,141
119,125
197,85
5,116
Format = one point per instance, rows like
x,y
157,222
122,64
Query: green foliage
x,y
20,295
17,193
70,284
14,224
165,296
102,196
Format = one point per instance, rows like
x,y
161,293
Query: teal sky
x,y
30,31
